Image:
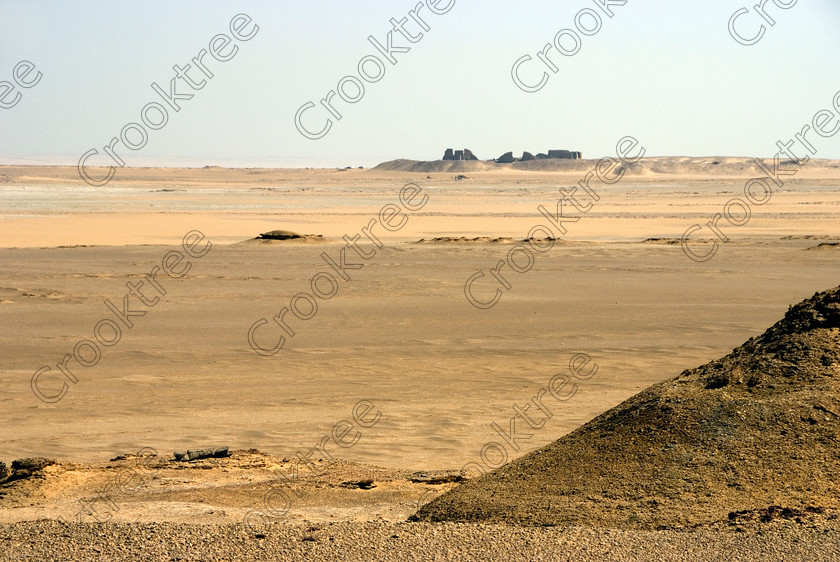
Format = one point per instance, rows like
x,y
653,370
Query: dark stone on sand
x,y
279,235
436,477
195,454
359,484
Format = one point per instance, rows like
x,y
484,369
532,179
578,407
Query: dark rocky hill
x,y
727,440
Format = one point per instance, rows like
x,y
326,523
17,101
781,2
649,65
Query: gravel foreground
x,y
49,540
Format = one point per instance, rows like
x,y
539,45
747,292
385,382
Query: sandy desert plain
x,y
397,364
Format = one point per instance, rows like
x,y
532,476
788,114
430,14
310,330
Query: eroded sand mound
x,y
756,428
429,166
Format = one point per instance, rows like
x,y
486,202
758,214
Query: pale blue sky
x,y
666,72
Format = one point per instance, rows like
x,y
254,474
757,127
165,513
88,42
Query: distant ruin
x,y
508,158
465,154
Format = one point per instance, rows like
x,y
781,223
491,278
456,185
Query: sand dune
x,y
662,165
172,182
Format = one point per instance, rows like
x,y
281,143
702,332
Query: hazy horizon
x,y
669,74
164,163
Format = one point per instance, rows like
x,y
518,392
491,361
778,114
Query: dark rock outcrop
x,y
24,468
31,464
755,428
526,156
